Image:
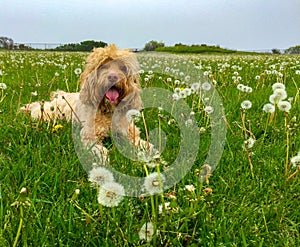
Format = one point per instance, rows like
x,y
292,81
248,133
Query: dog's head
x,y
110,76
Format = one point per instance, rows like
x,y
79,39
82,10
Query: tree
x,y
87,45
293,50
6,43
152,45
276,51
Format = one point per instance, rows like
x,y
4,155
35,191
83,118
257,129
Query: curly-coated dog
x,y
109,86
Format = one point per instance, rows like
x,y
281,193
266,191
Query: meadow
x,y
248,197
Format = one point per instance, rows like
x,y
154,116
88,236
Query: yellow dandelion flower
x,y
57,127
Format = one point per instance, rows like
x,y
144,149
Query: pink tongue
x,y
112,95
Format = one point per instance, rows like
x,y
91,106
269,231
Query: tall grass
x,y
251,199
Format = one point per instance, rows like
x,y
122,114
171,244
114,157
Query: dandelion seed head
x,y
246,104
154,183
249,143
190,188
182,95
269,108
99,175
111,194
188,122
177,90
77,71
3,86
146,232
188,91
206,86
280,94
278,85
209,109
133,115
284,106
175,97
295,161
240,87
35,93
195,86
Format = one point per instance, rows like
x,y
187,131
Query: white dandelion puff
x,y
296,161
182,94
187,91
77,71
190,188
249,143
175,97
202,130
280,94
177,90
154,183
246,104
206,86
248,89
3,86
195,86
133,115
35,93
146,232
99,175
284,106
268,108
278,85
209,109
111,194
240,87
188,122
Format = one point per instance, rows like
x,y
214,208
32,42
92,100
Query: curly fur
x,y
109,85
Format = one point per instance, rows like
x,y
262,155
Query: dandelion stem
x,y
293,175
146,131
287,144
250,163
20,226
266,127
153,208
243,123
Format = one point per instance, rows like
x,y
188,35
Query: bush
x,y
152,45
181,48
87,45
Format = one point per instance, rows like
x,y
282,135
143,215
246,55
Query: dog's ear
x,y
86,93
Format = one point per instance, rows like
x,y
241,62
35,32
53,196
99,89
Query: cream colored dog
x,y
109,86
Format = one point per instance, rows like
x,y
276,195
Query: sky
x,y
234,24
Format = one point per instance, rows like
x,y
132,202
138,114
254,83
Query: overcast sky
x,y
236,24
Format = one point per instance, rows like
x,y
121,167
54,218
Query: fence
x,y
41,46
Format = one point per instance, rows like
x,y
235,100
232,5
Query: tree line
x,y
88,45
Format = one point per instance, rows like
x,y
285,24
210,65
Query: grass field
x,y
251,198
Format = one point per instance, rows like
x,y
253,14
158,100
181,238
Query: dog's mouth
x,y
112,95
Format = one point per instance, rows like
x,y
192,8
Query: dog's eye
x,y
123,68
103,67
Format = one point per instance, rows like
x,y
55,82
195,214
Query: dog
x,y
109,88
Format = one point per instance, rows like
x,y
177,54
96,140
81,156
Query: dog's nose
x,y
113,77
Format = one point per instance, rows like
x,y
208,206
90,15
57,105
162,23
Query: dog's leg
x,y
87,115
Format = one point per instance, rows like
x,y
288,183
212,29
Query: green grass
x,y
257,207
